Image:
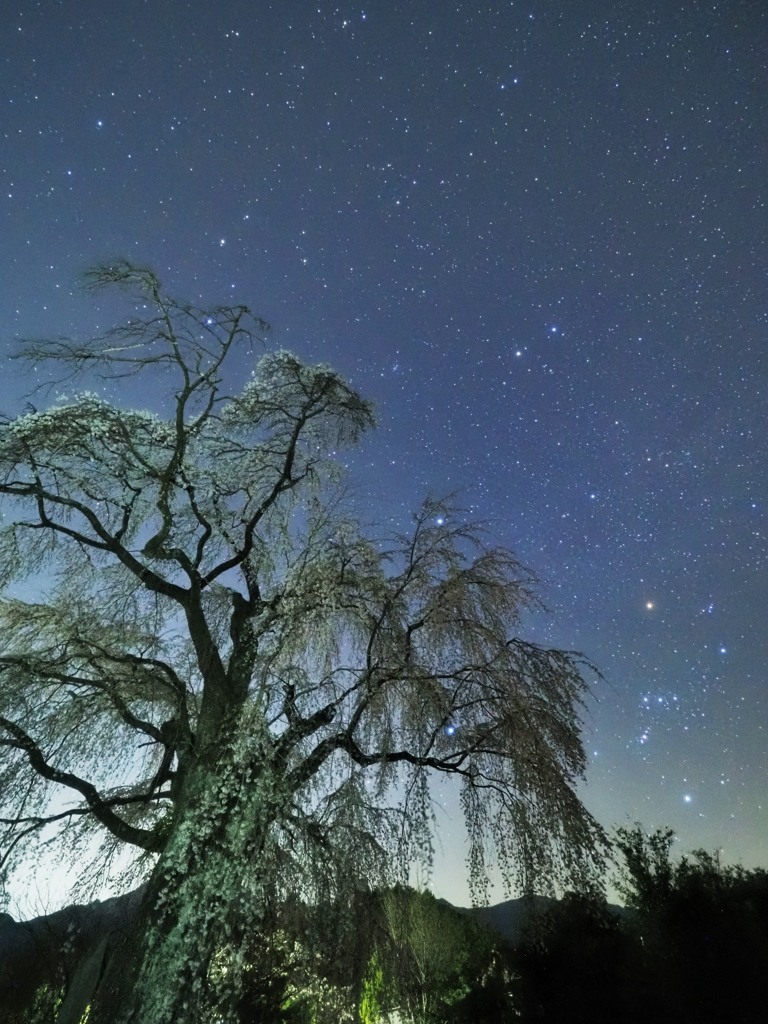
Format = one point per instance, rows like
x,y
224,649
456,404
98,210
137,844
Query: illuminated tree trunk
x,y
185,957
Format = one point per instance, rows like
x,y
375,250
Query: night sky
x,y
535,235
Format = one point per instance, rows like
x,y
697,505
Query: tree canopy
x,y
205,659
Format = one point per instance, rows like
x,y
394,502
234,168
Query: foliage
x,y
286,981
424,961
427,953
372,996
43,1008
222,673
691,947
647,876
409,957
703,928
576,963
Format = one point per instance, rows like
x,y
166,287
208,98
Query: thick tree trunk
x,y
183,957
54,946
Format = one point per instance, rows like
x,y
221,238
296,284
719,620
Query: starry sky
x,y
535,234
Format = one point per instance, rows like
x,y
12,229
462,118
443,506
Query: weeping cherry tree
x,y
204,659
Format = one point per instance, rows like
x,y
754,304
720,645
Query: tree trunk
x,y
184,956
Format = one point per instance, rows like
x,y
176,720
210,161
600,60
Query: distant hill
x,y
508,919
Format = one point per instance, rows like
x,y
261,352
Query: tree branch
x,y
101,808
104,540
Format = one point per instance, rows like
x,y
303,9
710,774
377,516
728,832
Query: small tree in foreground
x,y
434,957
222,673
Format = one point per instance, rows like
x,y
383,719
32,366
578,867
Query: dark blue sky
x,y
535,234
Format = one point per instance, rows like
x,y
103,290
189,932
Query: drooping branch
x,y
161,671
99,806
36,822
102,541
